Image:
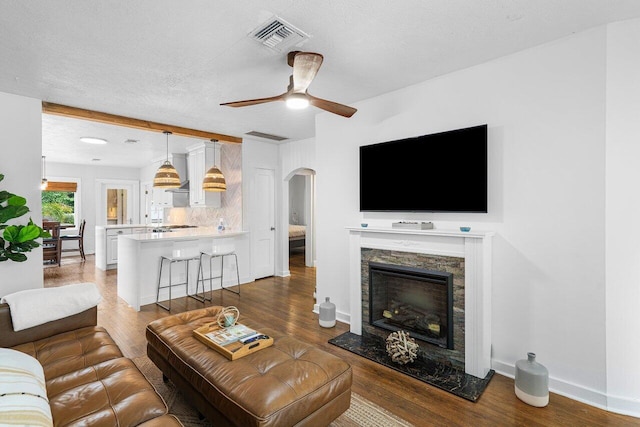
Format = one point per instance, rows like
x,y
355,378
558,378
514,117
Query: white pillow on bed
x,y
23,391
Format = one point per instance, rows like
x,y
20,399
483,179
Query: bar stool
x,y
220,249
179,255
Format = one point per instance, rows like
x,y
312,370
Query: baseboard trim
x,y
588,396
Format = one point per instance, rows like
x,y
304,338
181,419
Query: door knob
x,y
273,228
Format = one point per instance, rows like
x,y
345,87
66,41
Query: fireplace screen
x,y
416,300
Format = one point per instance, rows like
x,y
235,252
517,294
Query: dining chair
x,y
76,237
51,246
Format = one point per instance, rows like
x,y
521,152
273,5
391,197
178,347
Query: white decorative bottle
x,y
327,314
532,381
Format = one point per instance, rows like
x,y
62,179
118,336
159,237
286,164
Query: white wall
x,y
622,213
20,163
88,196
545,109
257,154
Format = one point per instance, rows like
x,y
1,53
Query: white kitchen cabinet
x,y
112,243
199,160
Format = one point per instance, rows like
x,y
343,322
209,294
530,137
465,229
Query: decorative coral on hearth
x,y
401,347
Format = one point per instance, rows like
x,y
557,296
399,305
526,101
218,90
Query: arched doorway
x,y
300,211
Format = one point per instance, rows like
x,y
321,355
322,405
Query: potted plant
x,y
16,239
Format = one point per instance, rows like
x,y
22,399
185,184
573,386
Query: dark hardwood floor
x,y
287,303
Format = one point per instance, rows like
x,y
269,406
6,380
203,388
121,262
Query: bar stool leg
x,y
199,279
222,274
159,282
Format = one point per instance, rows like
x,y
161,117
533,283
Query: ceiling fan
x,y
305,67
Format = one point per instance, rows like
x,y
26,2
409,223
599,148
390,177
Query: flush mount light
x,y
297,101
167,176
92,140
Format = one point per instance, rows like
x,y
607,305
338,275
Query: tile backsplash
x,y
231,200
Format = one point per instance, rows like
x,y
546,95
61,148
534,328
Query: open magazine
x,y
226,336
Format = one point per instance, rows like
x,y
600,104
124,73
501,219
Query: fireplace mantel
x,y
473,246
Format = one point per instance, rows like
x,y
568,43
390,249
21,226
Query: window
x,y
60,201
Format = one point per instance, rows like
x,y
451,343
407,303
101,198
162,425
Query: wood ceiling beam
x,y
112,119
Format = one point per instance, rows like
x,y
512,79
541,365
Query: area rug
x,y
362,413
431,372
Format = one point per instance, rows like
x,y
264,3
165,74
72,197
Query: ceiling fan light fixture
x,y
214,179
297,101
166,176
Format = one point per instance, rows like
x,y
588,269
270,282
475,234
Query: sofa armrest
x,y
10,338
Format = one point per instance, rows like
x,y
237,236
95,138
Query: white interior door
x,y
263,198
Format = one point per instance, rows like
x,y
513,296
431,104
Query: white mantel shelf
x,y
473,246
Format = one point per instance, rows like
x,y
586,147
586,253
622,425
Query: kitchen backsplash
x,y
231,200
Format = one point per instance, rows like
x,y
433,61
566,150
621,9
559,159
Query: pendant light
x,y
167,176
44,183
214,179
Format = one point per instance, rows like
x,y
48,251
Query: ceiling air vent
x,y
277,34
266,135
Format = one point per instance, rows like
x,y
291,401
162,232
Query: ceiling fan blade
x,y
332,107
254,101
305,68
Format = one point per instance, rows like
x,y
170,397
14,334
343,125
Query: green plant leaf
x,y
11,233
16,201
5,195
17,257
10,212
28,232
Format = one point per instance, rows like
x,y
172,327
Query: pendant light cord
x,y
166,132
214,151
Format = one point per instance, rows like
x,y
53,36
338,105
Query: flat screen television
x,y
440,172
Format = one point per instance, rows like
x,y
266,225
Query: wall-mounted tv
x,y
440,172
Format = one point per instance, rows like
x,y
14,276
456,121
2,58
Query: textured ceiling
x,y
174,62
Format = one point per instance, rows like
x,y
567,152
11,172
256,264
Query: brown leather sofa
x,y
88,380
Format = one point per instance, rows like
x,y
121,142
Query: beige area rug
x,y
362,413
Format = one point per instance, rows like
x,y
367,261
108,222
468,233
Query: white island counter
x,y
139,262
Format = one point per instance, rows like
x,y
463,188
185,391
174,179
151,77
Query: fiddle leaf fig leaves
x,y
16,239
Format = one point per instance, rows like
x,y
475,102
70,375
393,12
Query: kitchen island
x,y
139,261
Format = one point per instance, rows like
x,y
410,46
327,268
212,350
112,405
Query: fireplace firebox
x,y
416,300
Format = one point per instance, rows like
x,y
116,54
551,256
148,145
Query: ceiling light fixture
x,y
297,101
44,183
214,179
167,176
92,140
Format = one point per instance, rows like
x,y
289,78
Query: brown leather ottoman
x,y
291,383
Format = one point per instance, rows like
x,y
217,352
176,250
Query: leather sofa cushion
x,y
71,351
280,385
111,393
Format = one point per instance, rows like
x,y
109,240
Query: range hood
x,y
184,188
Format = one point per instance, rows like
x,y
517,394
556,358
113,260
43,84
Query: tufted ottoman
x,y
291,383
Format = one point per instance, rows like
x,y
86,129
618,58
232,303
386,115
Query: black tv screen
x,y
440,172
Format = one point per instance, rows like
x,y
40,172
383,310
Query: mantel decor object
x,y
412,225
401,347
532,382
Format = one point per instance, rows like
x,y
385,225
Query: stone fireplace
x,y
408,290
457,320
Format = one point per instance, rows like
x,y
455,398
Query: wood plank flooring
x,y
286,303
